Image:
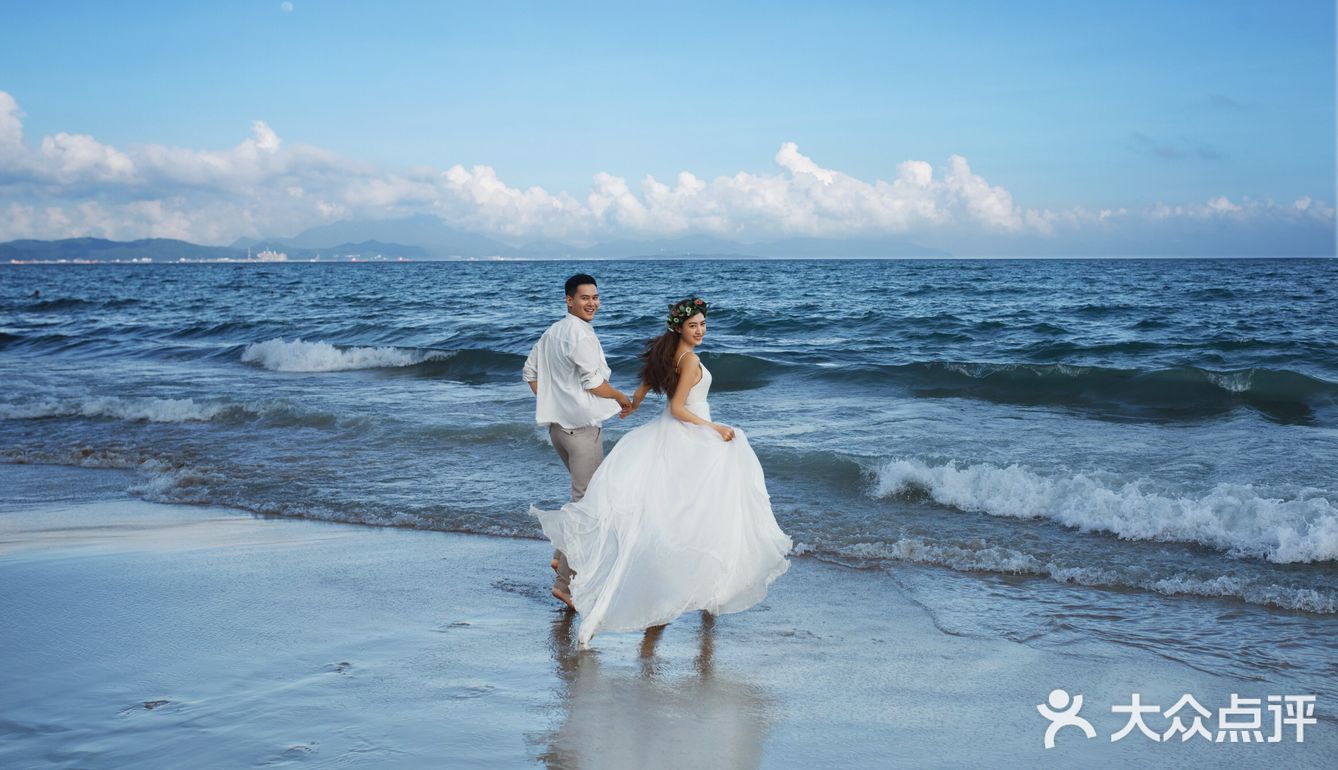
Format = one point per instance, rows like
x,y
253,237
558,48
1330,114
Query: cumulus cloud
x,y
789,158
72,185
11,126
76,157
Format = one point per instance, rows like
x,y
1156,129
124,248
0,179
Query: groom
x,y
570,378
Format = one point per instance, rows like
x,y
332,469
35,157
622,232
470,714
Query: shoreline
x,y
659,258
145,634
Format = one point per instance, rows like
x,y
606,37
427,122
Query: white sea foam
x,y
1287,597
979,556
135,409
275,411
280,355
976,555
1235,382
175,484
1231,517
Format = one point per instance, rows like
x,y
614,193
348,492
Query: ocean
x,y
1051,451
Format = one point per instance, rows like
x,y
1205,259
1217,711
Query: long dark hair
x,y
659,370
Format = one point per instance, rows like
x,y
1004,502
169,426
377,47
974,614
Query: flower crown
x,y
682,311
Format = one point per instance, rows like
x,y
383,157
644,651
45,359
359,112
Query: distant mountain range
x,y
427,234
427,237
171,250
440,240
158,249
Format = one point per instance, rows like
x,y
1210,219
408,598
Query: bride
x,y
677,517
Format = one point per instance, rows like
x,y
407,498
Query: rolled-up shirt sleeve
x,y
531,369
589,360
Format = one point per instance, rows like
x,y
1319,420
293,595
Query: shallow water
x,y
1135,450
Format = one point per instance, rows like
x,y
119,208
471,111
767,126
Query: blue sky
x,y
1065,107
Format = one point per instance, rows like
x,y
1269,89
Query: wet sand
x,y
144,635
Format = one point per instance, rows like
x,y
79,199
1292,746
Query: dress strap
x,y
680,359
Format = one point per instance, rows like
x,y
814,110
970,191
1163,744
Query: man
x,y
570,378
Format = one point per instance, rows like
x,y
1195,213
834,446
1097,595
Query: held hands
x,y
636,400
627,406
726,432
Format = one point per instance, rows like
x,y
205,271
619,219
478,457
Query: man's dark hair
x,y
580,279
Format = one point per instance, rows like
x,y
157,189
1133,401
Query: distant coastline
x,y
215,261
429,239
672,258
381,260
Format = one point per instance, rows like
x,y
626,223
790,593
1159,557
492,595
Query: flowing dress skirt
x,y
674,520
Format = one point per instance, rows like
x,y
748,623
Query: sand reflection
x,y
656,714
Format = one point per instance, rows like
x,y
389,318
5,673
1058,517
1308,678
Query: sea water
x,y
1053,451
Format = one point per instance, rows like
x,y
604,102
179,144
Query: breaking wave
x,y
134,409
298,355
1235,518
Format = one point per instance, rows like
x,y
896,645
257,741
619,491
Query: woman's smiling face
x,y
693,330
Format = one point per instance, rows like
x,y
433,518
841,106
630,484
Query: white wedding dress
x,y
675,519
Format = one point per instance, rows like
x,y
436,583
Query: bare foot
x,y
554,565
564,598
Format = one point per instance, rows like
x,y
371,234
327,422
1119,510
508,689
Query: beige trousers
x,y
581,450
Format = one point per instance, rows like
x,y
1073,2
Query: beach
x,y
1017,328
255,515
156,635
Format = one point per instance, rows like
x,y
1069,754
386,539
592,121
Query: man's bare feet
x,y
564,598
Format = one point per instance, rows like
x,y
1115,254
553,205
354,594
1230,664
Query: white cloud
x,y
286,6
71,184
916,173
79,157
477,198
790,159
1223,208
992,206
1220,204
265,140
11,126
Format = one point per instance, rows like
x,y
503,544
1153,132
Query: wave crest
x,y
279,355
133,409
1230,517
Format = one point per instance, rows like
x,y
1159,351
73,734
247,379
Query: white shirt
x,y
567,361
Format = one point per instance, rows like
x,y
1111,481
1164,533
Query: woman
x,y
677,517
